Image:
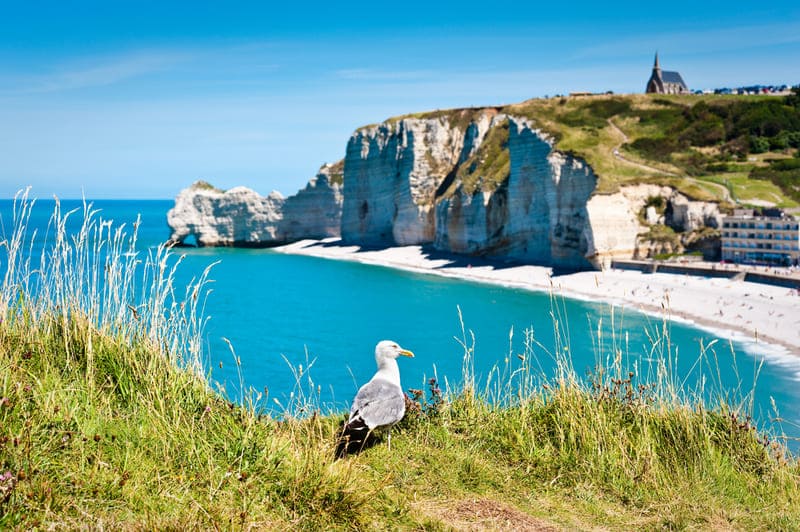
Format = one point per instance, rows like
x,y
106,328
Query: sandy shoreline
x,y
742,310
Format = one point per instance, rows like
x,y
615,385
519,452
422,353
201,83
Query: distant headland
x,y
570,182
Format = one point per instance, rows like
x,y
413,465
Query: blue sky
x,y
140,99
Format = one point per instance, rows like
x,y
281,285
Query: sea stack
x,y
206,216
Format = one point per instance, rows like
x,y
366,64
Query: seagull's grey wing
x,y
378,403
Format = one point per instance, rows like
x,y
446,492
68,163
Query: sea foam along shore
x,y
734,309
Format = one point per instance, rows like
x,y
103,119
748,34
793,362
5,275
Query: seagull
x,y
378,405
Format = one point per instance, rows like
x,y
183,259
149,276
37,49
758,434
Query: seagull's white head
x,y
389,350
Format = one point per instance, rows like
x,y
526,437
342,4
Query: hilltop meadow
x,y
729,149
109,419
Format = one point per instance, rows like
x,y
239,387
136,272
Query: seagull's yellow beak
x,y
406,353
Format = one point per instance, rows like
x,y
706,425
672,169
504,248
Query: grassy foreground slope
x,y
107,420
123,439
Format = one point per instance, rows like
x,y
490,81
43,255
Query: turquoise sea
x,y
282,310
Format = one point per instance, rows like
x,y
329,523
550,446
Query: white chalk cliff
x,y
537,214
402,185
206,216
473,181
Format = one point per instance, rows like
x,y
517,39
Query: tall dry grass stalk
x,y
107,422
98,276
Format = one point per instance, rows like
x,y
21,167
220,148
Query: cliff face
x,y
473,181
315,211
468,189
537,213
406,183
615,224
242,217
212,217
687,215
391,174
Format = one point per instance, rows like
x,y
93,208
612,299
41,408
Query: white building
x,y
772,237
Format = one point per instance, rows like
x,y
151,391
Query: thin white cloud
x,y
93,72
369,74
701,41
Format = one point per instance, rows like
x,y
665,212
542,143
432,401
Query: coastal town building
x,y
770,237
665,81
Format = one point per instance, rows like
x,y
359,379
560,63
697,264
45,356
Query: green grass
x,y
205,185
682,136
490,165
783,175
581,127
745,189
106,422
680,140
687,141
336,172
662,234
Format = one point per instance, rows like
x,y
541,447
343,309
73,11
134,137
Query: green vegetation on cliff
x,y
489,165
785,173
706,146
335,172
107,421
205,185
712,147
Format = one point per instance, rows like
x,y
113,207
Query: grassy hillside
x,y
490,165
731,149
107,420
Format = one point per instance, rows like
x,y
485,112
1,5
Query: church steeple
x,y
665,82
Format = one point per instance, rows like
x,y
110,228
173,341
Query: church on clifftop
x,y
665,82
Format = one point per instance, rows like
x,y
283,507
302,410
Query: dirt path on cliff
x,y
616,153
724,192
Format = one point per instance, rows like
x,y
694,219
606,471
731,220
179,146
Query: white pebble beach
x,y
737,309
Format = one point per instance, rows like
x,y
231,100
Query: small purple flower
x,y
7,482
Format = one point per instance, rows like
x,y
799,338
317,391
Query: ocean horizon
x,y
305,327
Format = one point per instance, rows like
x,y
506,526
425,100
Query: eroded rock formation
x,y
206,216
473,181
537,213
392,173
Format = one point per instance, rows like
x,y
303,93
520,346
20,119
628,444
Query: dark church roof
x,y
669,76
